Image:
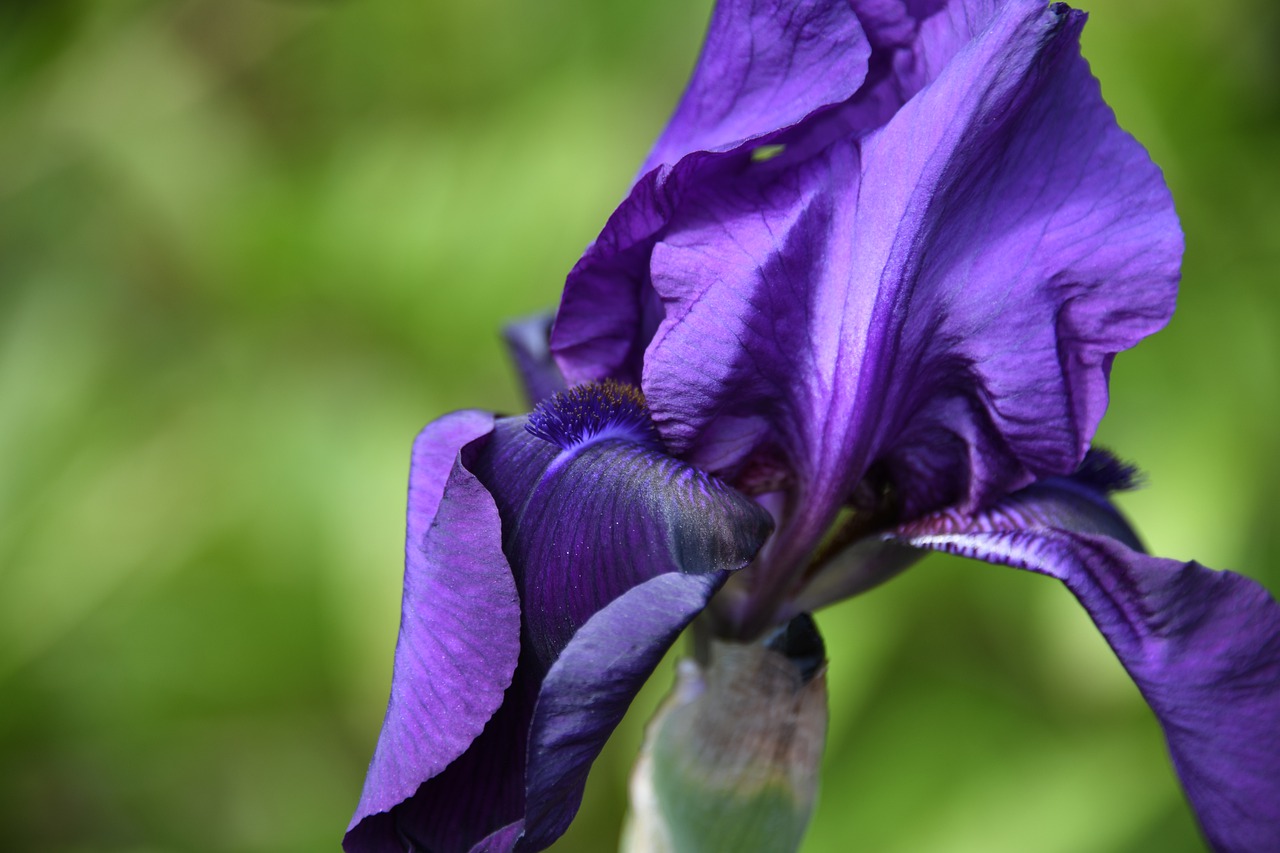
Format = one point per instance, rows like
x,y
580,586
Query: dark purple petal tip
x,y
590,687
800,642
1104,471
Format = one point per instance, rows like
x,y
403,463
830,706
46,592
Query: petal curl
x,y
612,547
532,771
893,23
588,690
943,296
900,65
766,66
584,525
1042,241
1202,646
609,311
473,798
460,620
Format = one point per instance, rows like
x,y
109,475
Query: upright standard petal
x,y
459,626
765,66
943,296
1202,646
896,70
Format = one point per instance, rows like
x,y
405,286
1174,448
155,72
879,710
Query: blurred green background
x,y
247,248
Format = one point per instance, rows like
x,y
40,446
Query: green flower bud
x,y
730,761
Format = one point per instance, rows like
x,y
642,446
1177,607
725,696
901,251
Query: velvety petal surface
x,y
943,296
476,795
611,546
1202,646
609,312
583,698
585,523
591,685
460,620
765,66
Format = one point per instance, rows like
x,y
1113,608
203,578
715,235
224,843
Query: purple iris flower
x,y
860,304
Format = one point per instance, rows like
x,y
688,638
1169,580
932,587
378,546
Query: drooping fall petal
x,y
1202,646
591,685
453,661
611,546
587,516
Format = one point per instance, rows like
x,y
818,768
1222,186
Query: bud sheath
x,y
731,760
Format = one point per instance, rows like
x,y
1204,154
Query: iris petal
x,y
584,561
590,687
582,526
480,792
943,296
893,23
1202,646
453,661
903,60
528,773
501,840
766,65
581,700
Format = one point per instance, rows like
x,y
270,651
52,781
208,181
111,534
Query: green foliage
x,y
249,247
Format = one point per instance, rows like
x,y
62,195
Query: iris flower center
x,y
596,411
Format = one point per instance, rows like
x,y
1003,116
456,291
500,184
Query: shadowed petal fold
x,y
483,789
588,690
1202,646
453,660
530,765
570,541
585,524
